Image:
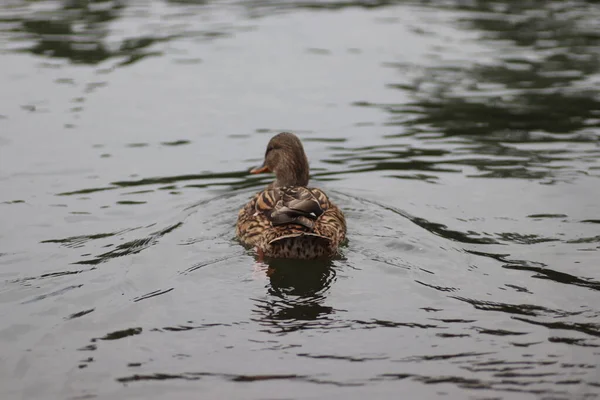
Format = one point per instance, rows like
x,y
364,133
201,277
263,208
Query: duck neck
x,y
294,173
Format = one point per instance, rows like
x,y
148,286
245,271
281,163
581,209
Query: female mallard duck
x,y
288,219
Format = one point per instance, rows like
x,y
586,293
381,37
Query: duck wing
x,y
289,205
296,205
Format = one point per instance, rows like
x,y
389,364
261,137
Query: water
x,y
461,140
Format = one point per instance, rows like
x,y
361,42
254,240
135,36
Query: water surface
x,y
460,139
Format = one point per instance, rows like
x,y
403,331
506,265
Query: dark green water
x,y
461,139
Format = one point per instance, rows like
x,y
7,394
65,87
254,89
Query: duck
x,y
288,219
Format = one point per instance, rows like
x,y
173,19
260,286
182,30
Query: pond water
x,y
461,139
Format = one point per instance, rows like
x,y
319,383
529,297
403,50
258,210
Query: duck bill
x,y
260,170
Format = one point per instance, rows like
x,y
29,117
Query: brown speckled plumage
x,y
288,219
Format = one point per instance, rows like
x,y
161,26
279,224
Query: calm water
x,y
462,140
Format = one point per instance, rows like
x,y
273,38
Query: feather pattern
x,y
277,218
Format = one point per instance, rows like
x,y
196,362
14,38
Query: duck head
x,y
285,158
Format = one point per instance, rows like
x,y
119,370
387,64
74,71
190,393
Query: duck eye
x,y
269,149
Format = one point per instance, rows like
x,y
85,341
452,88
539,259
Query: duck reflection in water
x,y
296,292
